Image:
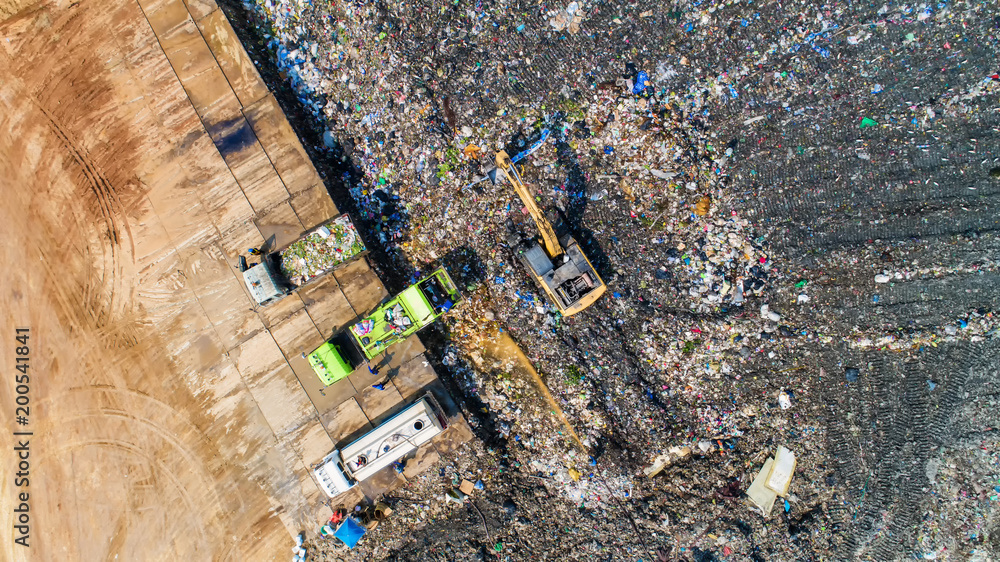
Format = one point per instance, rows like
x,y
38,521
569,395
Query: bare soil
x,y
145,441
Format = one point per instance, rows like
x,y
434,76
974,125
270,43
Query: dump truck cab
x,y
331,362
263,283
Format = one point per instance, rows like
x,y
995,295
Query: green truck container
x,y
395,320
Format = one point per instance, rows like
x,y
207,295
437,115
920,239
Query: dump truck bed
x,y
320,250
405,314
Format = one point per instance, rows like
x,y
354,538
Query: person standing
x,y
374,372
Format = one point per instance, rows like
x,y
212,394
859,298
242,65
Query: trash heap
x,y
320,251
774,195
396,318
364,327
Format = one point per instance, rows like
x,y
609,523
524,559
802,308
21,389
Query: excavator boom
x,y
549,239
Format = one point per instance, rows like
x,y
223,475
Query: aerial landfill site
x,y
450,280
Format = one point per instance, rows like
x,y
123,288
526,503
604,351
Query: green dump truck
x,y
318,252
395,320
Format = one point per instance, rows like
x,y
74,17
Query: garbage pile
x,y
773,195
397,319
320,251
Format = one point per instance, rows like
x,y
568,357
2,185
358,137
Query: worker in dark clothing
x,y
374,372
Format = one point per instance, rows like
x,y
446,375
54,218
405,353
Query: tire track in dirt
x,y
928,190
129,412
112,214
94,150
86,121
886,426
183,493
149,421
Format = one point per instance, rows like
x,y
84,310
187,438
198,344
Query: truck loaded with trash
x,y
414,308
318,252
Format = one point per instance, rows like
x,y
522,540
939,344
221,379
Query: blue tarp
x,y
350,531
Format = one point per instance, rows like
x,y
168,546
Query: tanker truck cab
x,y
397,437
332,476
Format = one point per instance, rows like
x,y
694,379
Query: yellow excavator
x,y
561,269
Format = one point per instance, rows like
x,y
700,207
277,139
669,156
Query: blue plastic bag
x,y
640,82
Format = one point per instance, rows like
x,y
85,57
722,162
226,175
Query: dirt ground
x,y
147,443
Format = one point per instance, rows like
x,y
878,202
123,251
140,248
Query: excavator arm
x,y
549,239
